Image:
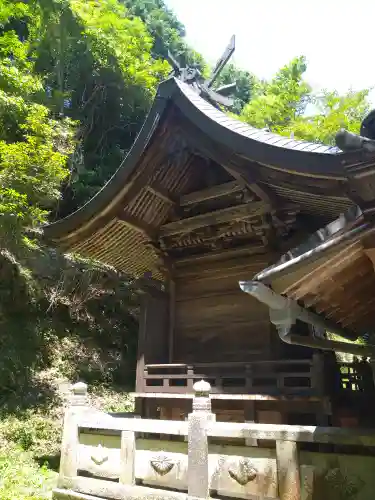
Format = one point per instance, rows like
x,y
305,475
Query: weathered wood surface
x,y
153,333
339,286
230,214
233,397
210,193
258,377
209,303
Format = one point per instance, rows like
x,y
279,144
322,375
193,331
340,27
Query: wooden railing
x,y
356,377
304,376
110,458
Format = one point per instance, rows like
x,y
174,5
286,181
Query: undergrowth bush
x,y
21,478
34,432
62,319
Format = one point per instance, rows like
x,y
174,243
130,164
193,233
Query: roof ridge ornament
x,y
365,140
193,77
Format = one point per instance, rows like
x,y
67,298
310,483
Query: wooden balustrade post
x,y
318,386
372,364
198,475
317,374
190,379
78,404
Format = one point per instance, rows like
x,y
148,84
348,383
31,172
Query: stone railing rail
x,y
113,473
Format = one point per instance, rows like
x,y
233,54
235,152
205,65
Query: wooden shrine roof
x,y
332,274
197,181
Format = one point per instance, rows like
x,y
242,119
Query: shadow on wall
x,y
334,484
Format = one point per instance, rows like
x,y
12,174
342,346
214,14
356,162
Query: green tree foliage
x,y
166,30
33,146
333,112
278,102
98,69
168,34
70,71
280,106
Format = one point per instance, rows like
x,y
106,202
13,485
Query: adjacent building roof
x,y
332,274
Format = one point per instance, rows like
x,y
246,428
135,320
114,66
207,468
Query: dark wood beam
x,y
238,212
149,286
209,193
246,179
245,250
263,192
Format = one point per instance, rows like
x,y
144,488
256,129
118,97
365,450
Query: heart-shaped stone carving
x,y
162,464
242,472
99,456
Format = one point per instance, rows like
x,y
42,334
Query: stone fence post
x,y
78,403
198,473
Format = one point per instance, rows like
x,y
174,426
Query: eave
x,y
330,278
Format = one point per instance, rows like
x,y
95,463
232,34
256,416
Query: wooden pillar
x,y
318,387
171,325
317,374
153,332
139,383
372,364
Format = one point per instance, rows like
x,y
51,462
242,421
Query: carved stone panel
x,y
99,461
254,475
162,468
162,464
243,471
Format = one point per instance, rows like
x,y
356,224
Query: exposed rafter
x,y
138,225
161,193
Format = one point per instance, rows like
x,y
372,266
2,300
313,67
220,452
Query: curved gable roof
x,y
261,146
272,152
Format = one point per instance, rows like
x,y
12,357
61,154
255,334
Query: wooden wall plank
x,y
214,319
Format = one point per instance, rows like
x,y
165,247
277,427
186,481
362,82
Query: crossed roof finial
x,y
192,76
347,141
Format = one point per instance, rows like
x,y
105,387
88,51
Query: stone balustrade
x,y
105,457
